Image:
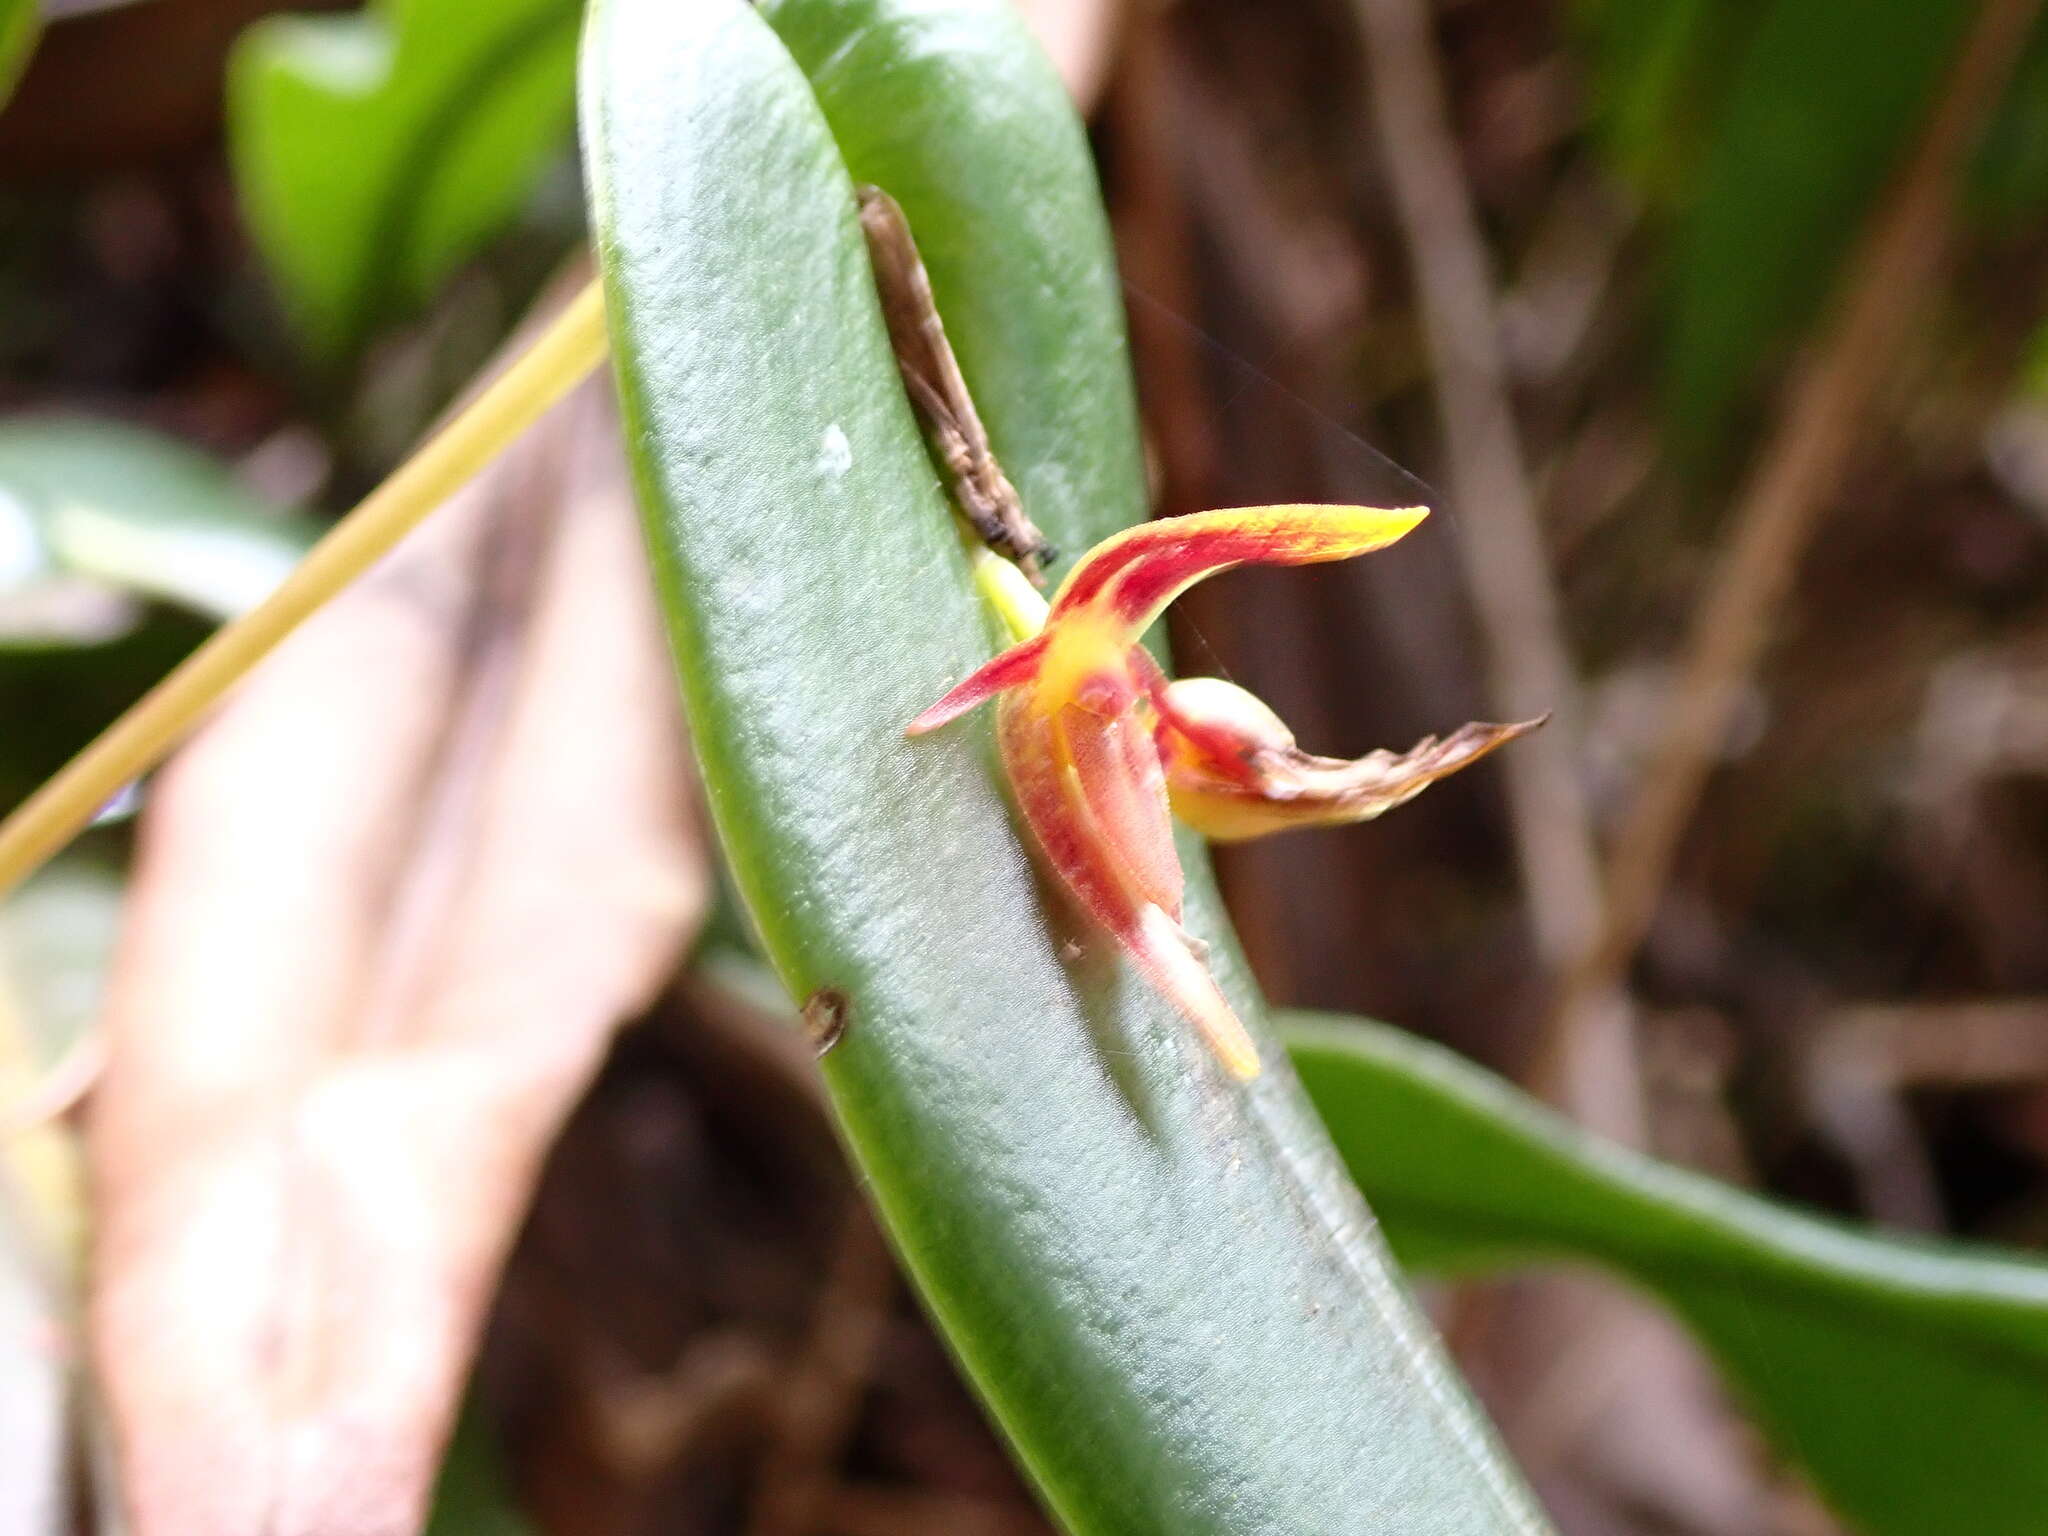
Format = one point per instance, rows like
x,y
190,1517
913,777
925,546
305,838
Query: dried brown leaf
x,y
1080,36
389,908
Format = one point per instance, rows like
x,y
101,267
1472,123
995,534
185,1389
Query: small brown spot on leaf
x,y
826,1012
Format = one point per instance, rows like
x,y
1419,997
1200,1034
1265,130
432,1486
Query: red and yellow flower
x,y
1098,744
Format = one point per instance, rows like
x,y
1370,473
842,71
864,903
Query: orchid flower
x,y
1098,746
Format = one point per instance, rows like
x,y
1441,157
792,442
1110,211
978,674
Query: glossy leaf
x,y
132,510
1168,1295
1910,1379
375,152
1822,107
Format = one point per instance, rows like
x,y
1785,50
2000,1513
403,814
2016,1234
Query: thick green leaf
x,y
1167,1293
375,152
1911,1379
1827,96
129,509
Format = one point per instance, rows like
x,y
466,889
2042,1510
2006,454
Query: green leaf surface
x,y
375,152
1164,1288
1910,1379
1825,101
129,509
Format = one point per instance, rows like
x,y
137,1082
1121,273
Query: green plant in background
x,y
1910,1380
1816,117
133,511
375,152
1760,134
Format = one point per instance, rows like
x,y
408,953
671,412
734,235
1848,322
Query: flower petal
x,y
1091,789
1098,811
1013,668
1122,788
1133,575
1234,772
1164,954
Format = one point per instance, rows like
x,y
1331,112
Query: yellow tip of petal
x,y
1162,953
1132,575
1367,527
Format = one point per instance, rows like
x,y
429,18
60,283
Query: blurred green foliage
x,y
374,152
136,511
1659,73
117,546
1760,134
1909,1379
1819,113
2008,189
474,1496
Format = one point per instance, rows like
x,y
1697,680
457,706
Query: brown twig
x,y
1857,1063
1798,470
1996,1043
1501,547
938,391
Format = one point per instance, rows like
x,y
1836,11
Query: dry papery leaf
x,y
388,910
1080,36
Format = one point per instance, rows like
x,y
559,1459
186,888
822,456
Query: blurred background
x,y
1713,331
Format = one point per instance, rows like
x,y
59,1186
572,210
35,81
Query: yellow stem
x,y
563,356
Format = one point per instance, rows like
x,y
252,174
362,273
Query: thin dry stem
x,y
1530,671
